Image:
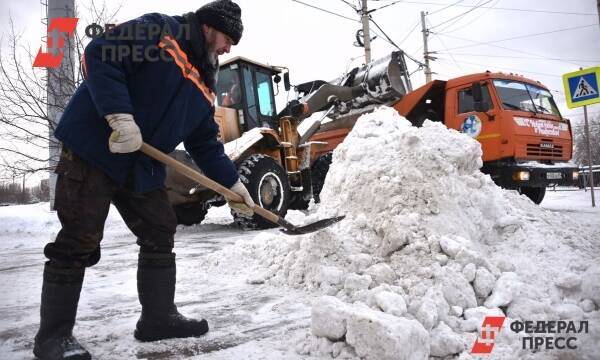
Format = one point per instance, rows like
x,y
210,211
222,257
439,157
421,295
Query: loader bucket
x,y
383,82
382,79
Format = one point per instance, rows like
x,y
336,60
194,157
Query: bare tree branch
x,y
26,96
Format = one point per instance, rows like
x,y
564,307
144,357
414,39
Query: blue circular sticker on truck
x,y
471,126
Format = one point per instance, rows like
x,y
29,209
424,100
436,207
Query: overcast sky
x,y
318,45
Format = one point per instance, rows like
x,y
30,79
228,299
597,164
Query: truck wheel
x,y
536,194
319,172
190,213
269,187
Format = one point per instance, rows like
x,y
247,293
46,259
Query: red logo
x,y
57,29
489,329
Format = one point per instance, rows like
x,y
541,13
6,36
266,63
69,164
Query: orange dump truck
x,y
526,143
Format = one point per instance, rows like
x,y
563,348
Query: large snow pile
x,y
429,246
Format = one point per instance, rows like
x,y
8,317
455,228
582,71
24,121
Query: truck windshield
x,y
515,95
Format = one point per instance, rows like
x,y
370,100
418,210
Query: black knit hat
x,y
223,15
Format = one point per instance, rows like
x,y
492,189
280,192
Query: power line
x,y
384,6
451,56
409,33
522,36
327,11
347,3
582,114
501,8
505,68
502,47
516,57
391,42
463,14
479,16
394,45
447,7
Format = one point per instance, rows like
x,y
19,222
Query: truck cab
x,y
526,143
246,86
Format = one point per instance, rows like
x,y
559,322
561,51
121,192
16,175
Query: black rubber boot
x,y
60,295
156,289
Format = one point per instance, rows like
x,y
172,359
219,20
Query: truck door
x,y
480,125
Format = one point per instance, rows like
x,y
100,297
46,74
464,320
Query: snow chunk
x,y
481,312
474,317
457,290
330,275
428,314
396,233
355,282
445,342
524,308
381,273
379,336
588,305
484,282
568,281
450,246
469,272
457,310
328,317
590,284
506,289
569,311
391,303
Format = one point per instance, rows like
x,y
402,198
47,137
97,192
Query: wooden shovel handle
x,y
203,180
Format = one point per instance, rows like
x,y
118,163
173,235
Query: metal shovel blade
x,y
290,229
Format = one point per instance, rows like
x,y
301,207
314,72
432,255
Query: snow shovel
x,y
187,171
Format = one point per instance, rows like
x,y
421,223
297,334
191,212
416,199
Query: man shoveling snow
x,y
122,102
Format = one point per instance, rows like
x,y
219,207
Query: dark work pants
x,y
82,201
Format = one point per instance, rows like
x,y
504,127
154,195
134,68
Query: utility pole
x,y
366,34
598,5
426,49
589,147
60,84
23,191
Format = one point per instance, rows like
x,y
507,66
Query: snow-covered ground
x,y
247,321
412,269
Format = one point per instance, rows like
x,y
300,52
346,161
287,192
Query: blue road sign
x,y
581,87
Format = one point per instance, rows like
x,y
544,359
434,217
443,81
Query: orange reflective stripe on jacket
x,y
188,70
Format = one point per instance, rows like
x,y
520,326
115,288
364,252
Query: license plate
x,y
554,175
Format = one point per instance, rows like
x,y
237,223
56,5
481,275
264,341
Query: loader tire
x,y
190,213
269,187
536,194
299,203
318,173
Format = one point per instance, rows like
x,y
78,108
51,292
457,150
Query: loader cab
x,y
247,87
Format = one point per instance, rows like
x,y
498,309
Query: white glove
x,y
126,136
244,208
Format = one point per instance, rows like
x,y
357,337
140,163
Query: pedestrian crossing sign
x,y
581,87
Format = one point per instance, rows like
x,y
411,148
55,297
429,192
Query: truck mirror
x,y
478,104
286,81
476,92
481,106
